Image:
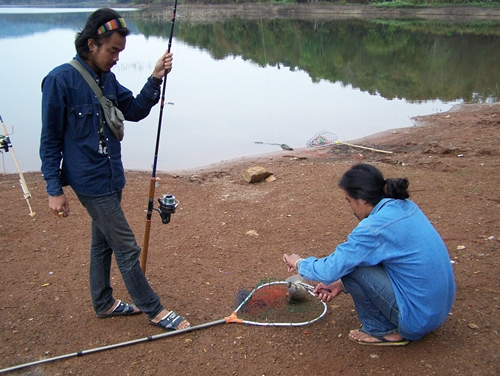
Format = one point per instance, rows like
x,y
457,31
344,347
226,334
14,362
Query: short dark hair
x,y
94,22
367,182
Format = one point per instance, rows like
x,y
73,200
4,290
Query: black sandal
x,y
171,321
121,309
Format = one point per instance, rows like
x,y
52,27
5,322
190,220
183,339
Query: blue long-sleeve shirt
x,y
71,130
398,236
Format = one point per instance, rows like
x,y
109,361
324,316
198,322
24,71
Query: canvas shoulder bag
x,y
114,117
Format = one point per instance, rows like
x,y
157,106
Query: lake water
x,y
225,94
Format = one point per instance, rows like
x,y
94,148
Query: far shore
x,y
328,11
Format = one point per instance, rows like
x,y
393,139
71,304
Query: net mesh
x,y
270,303
323,138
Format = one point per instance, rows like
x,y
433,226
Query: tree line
x,y
398,3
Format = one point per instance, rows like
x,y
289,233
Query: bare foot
x,y
182,325
358,336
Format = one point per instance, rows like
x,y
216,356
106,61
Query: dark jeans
x,y
374,298
111,233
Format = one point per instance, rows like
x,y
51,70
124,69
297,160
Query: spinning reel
x,y
168,204
5,144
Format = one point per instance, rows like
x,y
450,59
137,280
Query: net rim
x,y
335,137
281,324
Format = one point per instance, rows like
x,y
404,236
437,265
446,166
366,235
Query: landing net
x,y
270,304
323,138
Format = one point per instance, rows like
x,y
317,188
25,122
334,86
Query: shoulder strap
x,y
86,75
95,88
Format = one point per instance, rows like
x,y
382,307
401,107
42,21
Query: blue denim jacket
x,y
398,236
70,130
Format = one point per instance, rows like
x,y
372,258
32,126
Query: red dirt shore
x,y
227,235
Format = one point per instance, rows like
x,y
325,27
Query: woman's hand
x,y
291,261
326,293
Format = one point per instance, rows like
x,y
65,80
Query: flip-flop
x,y
121,309
171,321
383,341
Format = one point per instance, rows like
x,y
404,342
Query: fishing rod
x,y
113,346
5,145
168,203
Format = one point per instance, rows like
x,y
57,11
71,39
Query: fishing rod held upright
x,y
168,203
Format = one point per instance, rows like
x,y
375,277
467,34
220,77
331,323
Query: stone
x,y
255,174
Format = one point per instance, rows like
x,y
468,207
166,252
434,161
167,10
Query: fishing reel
x,y
168,204
5,144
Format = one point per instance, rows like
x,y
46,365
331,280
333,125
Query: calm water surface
x,y
217,108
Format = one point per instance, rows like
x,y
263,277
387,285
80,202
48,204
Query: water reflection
x,y
412,60
238,82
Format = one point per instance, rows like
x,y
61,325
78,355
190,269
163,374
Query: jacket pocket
x,y
80,121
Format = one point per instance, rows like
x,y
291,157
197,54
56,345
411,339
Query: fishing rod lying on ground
x,y
324,138
5,146
168,202
272,303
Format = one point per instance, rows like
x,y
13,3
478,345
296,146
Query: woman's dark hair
x,y
367,182
94,22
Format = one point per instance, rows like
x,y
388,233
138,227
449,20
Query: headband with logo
x,y
117,23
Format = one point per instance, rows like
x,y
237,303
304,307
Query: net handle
x,y
233,318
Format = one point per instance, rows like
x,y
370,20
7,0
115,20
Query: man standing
x,y
75,131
